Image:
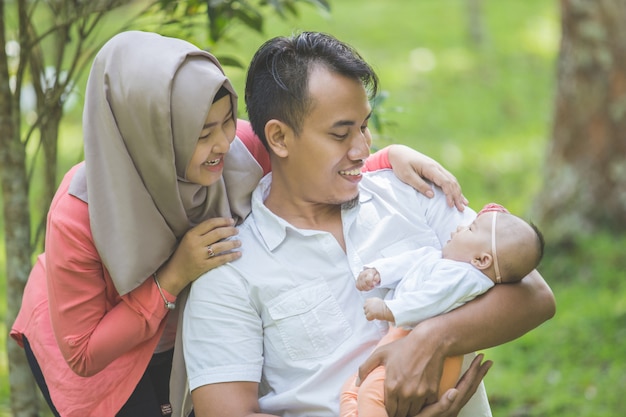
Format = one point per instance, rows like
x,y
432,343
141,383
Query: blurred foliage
x,y
220,16
572,365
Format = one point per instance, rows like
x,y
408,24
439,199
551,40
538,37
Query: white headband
x,y
493,248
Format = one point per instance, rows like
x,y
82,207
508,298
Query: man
x,y
278,331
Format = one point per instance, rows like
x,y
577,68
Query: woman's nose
x,y
222,144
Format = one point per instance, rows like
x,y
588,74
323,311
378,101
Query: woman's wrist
x,y
170,305
168,279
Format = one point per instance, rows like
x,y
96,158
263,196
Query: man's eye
x,y
340,137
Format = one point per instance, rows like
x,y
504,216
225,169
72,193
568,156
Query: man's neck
x,y
306,215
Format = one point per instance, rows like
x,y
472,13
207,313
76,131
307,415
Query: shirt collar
x,y
273,229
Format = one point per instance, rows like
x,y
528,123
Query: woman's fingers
x,y
219,260
221,248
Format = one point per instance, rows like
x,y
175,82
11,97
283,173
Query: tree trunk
x,y
17,232
475,23
24,400
585,177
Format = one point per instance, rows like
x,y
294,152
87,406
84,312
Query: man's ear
x,y
277,133
482,261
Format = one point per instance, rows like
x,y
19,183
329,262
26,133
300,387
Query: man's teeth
x,y
356,171
212,162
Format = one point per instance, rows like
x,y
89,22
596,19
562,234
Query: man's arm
x,y
225,382
414,363
504,313
228,399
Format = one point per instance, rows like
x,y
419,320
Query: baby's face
x,y
470,241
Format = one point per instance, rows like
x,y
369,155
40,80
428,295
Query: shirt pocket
x,y
309,321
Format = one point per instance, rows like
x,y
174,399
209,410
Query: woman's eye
x,y
204,135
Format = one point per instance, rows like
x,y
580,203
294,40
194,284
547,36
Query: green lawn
x,y
484,111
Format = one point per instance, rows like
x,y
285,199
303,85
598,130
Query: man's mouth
x,y
351,172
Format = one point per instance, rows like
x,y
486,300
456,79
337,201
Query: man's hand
x,y
454,399
412,376
412,167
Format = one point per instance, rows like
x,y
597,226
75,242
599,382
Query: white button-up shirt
x,y
287,314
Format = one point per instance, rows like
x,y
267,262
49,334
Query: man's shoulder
x,y
385,174
385,184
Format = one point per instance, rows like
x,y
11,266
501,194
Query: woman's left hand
x,y
412,167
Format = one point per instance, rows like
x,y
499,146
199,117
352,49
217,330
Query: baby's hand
x,y
374,309
368,279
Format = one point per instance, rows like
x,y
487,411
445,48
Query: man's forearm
x,y
504,313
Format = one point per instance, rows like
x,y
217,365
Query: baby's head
x,y
503,246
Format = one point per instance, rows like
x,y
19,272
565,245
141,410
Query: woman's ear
x,y
277,133
482,261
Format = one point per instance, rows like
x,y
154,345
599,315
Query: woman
x,y
150,209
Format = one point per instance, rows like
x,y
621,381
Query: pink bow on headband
x,y
492,207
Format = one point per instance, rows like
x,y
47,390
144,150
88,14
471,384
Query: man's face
x,y
325,160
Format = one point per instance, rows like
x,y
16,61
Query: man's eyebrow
x,y
341,123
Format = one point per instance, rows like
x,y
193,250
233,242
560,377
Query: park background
x,y
480,102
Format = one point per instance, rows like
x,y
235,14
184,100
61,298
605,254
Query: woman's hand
x,y
201,249
412,167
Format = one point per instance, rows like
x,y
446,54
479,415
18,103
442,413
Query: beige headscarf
x,y
146,102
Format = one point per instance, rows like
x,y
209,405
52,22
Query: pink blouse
x,y
92,345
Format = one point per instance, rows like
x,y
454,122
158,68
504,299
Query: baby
x,y
497,247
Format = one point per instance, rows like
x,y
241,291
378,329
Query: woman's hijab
x,y
147,99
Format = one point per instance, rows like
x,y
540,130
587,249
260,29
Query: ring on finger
x,y
209,249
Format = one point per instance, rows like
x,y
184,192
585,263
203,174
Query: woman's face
x,y
207,161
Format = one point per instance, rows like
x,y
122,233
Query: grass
x,y
484,111
571,365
